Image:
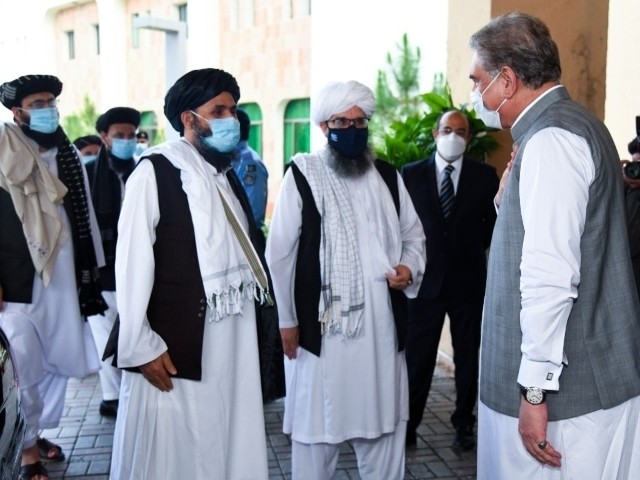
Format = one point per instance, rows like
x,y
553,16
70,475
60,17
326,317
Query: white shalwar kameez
x,y
357,388
50,339
208,429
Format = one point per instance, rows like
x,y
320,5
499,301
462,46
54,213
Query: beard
x,y
44,140
347,167
221,161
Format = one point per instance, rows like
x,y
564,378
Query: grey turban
x,y
338,97
12,93
196,88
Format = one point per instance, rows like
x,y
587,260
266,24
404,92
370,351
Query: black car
x,y
12,424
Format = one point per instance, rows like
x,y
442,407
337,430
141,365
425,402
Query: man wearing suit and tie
x,y
453,196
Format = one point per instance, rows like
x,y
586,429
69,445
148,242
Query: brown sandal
x,y
27,472
46,448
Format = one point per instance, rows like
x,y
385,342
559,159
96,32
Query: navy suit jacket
x,y
456,247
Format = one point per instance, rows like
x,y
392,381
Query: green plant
x,y
81,123
411,139
396,90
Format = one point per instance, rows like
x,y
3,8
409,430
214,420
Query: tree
x,y
401,130
81,123
390,106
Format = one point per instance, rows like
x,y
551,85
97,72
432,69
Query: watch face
x,y
535,396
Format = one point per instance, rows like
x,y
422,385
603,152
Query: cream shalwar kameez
x,y
357,388
51,341
208,429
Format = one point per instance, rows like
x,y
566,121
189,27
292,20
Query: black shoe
x,y
410,439
465,439
109,408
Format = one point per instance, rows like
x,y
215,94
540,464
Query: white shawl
x,y
226,274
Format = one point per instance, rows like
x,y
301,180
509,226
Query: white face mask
x,y
451,146
491,118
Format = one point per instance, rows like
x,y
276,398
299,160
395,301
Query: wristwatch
x,y
533,395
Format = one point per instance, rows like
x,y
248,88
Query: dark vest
x,y
177,304
307,281
602,340
16,267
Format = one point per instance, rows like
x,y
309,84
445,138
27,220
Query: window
x,y
96,32
71,44
149,124
181,8
297,129
255,131
135,32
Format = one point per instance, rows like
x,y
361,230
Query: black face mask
x,y
350,142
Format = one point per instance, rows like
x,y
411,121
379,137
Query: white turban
x,y
338,97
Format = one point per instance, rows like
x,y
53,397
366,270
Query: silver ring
x,y
542,445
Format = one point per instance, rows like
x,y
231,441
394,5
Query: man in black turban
x,y
194,89
49,257
107,176
193,298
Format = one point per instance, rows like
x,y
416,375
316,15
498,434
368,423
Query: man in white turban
x,y
345,249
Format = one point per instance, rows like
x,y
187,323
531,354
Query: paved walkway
x,y
86,438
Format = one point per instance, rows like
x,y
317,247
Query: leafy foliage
x,y
81,123
401,130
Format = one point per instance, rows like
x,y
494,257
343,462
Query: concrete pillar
x,y
113,21
203,22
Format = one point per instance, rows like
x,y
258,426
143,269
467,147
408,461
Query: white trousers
x,y
378,458
101,326
42,405
604,444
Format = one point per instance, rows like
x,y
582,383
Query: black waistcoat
x,y
177,304
307,281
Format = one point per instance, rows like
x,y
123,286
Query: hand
x,y
159,371
533,430
402,279
290,338
505,177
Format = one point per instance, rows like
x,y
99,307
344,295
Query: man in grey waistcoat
x,y
560,353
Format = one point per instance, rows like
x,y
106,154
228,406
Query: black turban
x,y
12,93
245,124
142,134
118,115
196,88
82,142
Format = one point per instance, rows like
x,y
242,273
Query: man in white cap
x,y
50,252
345,248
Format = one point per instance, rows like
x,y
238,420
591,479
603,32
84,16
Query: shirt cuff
x,y
544,375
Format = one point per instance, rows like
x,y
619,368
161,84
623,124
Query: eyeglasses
x,y
342,122
52,103
458,131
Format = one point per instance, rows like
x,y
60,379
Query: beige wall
x,y
622,102
582,43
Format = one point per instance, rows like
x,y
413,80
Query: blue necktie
x,y
446,191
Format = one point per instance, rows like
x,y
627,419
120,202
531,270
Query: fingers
x,y
157,373
402,278
547,455
290,338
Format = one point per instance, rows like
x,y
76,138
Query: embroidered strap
x,y
249,251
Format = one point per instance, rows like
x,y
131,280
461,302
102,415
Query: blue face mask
x,y
140,148
89,158
350,142
44,120
123,149
225,133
